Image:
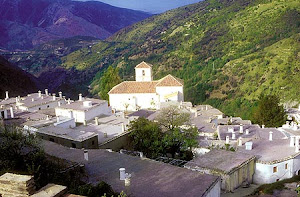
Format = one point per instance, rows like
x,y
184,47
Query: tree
x,y
269,112
171,117
146,136
109,79
171,134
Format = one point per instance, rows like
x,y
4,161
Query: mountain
x,y
28,23
228,52
15,80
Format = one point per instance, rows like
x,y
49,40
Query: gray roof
x,y
78,105
111,125
149,178
67,133
44,99
221,160
235,121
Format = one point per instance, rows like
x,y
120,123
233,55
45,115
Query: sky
x,y
152,6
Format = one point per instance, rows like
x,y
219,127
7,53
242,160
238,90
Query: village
x,y
231,153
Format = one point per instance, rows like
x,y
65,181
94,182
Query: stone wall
x,y
14,185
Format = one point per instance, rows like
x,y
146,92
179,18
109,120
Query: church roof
x,y
129,87
144,65
170,80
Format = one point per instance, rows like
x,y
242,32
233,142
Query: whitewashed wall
x,y
51,105
162,91
215,191
145,101
81,116
264,172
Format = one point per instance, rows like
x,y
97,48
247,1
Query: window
x,y
143,72
48,106
274,169
73,145
286,166
277,180
51,139
39,108
93,142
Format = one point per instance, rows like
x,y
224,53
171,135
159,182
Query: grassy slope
x,y
227,52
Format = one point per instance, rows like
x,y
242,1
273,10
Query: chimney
x,y
206,107
230,129
105,135
32,99
46,92
69,101
233,135
227,140
6,95
296,144
60,95
71,114
270,136
40,93
57,119
263,126
84,123
96,121
11,112
58,104
292,141
122,174
86,155
123,127
80,97
47,117
196,114
53,97
127,181
241,129
247,131
17,100
240,142
248,145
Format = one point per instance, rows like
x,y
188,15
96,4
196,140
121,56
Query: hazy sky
x,y
153,6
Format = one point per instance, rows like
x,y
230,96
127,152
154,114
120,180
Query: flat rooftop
x,y
32,100
221,160
111,125
235,121
79,105
67,133
148,177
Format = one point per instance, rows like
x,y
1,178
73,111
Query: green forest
x,y
227,52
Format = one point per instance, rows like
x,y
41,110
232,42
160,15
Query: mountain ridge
x,y
215,46
27,23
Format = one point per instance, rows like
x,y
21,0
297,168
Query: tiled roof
x,y
170,80
128,87
144,65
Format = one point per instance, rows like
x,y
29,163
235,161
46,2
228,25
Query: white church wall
x,y
134,101
165,90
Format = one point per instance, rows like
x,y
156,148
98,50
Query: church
x,y
144,92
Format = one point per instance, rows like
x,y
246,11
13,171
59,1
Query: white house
x,y
144,92
84,109
37,101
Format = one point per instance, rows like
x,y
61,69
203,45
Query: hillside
x,y
227,52
28,23
15,80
